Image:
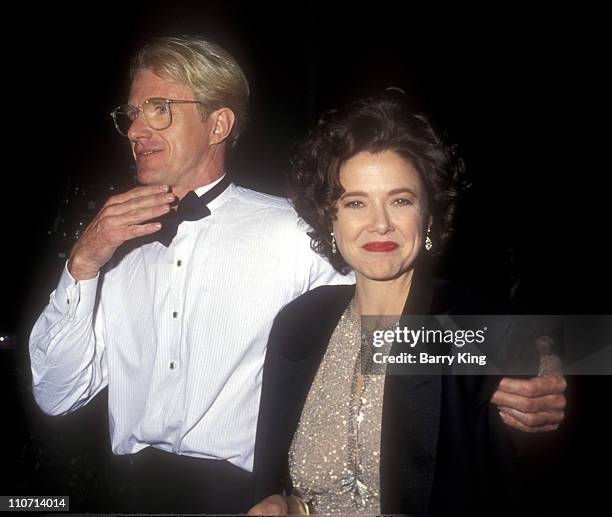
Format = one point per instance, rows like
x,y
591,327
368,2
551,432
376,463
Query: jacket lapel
x,y
296,347
411,411
410,425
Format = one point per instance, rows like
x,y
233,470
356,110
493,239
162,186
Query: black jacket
x,y
443,446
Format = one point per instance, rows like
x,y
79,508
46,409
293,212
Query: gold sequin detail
x,y
324,465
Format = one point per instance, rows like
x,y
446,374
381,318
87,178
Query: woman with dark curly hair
x,y
374,127
378,187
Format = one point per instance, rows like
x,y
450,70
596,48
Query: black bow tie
x,y
191,208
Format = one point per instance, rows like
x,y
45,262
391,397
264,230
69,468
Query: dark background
x,y
519,92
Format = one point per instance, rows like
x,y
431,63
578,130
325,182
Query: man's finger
x,y
513,422
149,201
534,419
535,387
527,404
146,190
141,215
138,203
138,230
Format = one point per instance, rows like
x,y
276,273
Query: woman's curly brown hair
x,y
374,124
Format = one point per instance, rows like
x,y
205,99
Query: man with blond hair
x,y
169,295
186,297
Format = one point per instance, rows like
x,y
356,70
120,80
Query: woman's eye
x,y
353,204
403,202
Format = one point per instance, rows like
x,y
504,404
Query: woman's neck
x,y
385,298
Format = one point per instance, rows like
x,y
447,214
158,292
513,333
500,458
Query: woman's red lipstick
x,y
380,246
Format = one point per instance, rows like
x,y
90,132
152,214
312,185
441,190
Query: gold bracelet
x,y
297,505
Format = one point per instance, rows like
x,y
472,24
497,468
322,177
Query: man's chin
x,y
146,176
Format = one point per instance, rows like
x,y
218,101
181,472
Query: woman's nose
x,y
381,222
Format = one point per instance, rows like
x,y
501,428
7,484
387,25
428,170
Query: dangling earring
x,y
334,249
428,242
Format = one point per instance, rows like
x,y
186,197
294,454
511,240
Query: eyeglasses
x,y
157,114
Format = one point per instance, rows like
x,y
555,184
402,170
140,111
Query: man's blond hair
x,y
212,74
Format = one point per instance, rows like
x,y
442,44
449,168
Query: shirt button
x,y
174,314
179,263
173,365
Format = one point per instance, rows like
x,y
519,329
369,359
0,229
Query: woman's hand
x,y
272,505
280,505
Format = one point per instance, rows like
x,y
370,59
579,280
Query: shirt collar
x,y
219,200
205,188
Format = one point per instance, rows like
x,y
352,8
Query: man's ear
x,y
222,123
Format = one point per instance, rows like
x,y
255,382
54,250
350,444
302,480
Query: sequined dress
x,y
334,459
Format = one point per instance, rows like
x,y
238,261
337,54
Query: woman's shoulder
x,y
306,324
